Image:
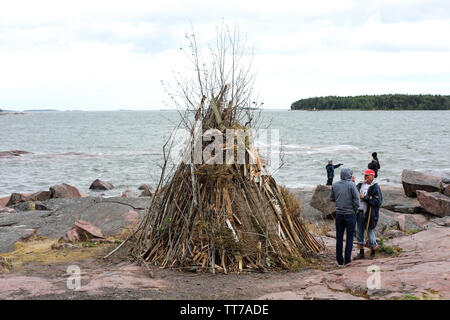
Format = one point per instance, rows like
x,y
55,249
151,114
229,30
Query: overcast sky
x,y
108,55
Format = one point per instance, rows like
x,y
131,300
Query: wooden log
x,y
278,213
228,204
293,229
217,113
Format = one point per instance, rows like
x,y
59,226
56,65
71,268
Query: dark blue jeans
x,y
345,222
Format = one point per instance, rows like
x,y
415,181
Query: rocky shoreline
x,y
35,252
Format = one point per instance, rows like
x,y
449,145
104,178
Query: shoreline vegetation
x,y
375,102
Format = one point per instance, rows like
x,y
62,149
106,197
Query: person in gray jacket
x,y
346,196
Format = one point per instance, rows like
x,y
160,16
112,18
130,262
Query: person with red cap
x,y
367,215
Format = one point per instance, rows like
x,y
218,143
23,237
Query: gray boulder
x,y
29,206
434,203
392,233
404,209
321,201
443,222
394,199
404,222
386,220
414,180
110,215
307,213
412,222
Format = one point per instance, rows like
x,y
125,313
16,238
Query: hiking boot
x,y
372,254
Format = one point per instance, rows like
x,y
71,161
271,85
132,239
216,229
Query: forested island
x,y
375,102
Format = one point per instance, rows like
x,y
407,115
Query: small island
x,y
9,112
375,102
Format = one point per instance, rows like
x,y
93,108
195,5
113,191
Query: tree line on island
x,y
375,102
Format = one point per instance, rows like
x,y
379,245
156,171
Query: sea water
x,y
125,147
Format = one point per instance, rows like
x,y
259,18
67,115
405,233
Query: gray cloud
x,y
153,31
101,54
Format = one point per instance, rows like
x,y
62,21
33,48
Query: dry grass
x,y
318,227
39,251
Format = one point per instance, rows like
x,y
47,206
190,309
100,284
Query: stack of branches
x,y
210,214
222,217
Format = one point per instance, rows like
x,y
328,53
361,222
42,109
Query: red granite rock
x,y
101,185
12,153
146,193
15,199
145,187
39,196
83,230
321,201
435,203
447,191
415,180
64,191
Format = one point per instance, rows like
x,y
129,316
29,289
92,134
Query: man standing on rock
x,y
330,171
367,217
346,196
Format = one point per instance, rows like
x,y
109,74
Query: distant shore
x,y
10,113
375,102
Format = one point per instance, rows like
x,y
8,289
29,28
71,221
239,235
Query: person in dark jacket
x,y
367,216
346,196
374,164
330,171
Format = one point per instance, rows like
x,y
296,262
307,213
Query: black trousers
x,y
329,181
344,222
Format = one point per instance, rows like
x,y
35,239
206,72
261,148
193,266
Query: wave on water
x,y
444,172
395,181
45,155
308,149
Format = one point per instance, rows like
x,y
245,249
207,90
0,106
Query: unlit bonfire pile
x,y
222,217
